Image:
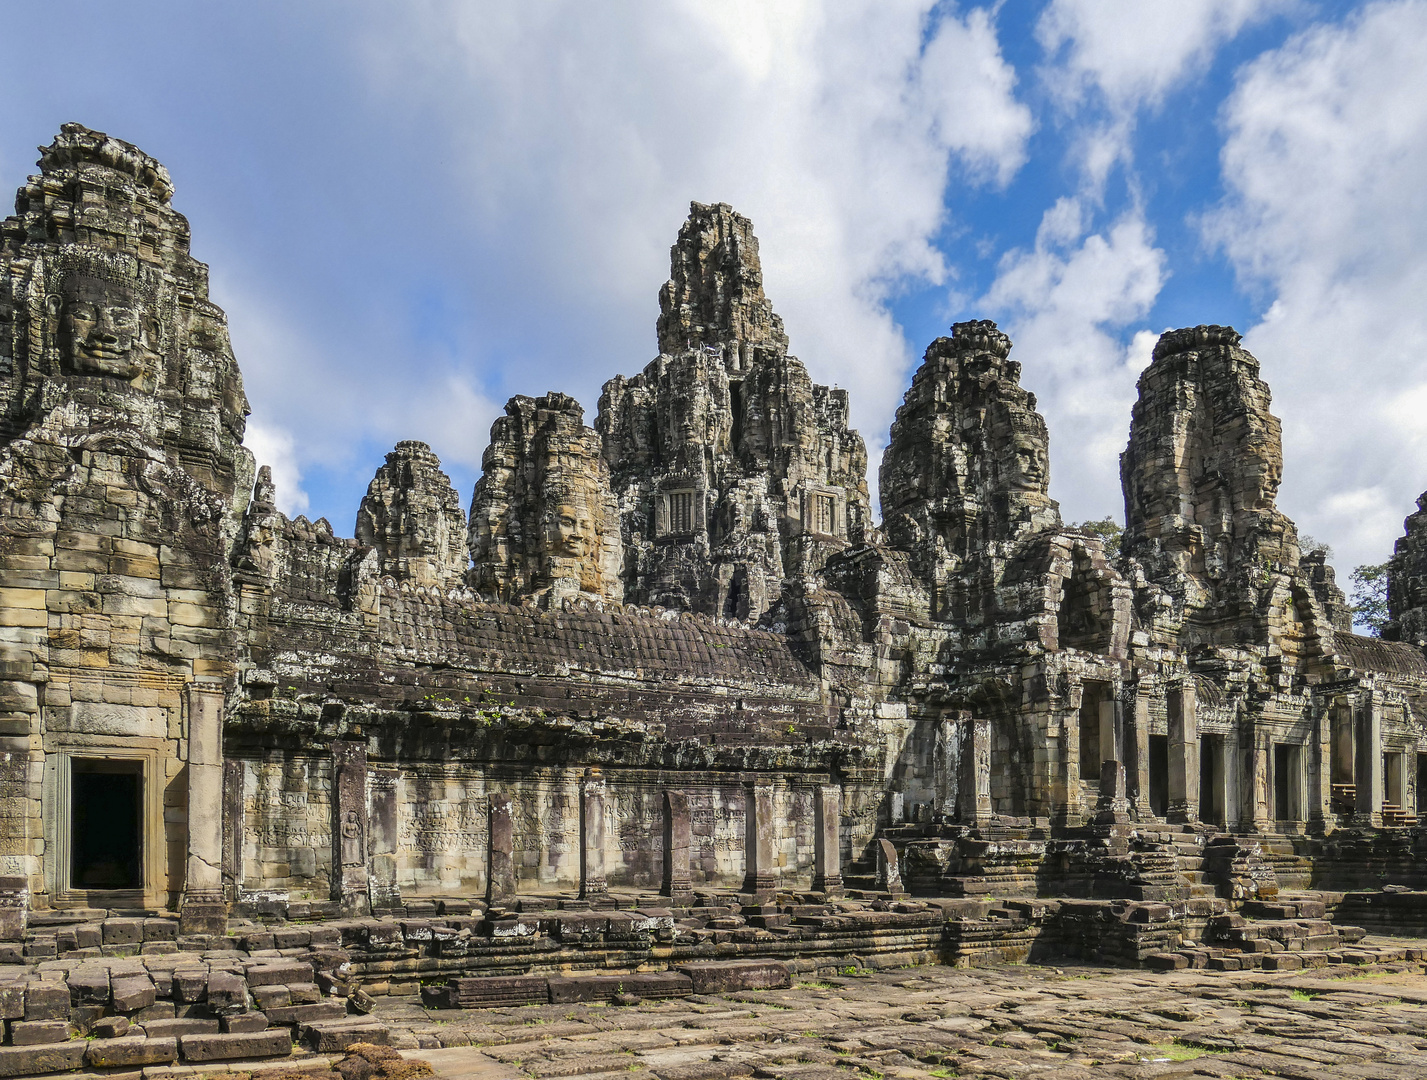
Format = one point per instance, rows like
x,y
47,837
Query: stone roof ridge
x,y
1191,338
77,145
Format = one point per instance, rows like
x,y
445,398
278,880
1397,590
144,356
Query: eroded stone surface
x,y
938,1022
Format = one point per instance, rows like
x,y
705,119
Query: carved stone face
x,y
1031,465
105,328
570,532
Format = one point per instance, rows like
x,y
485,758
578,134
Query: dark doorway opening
x,y
106,814
1159,775
1091,694
1211,780
1285,782
1419,808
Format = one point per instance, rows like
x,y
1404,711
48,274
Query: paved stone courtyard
x,y
1055,1023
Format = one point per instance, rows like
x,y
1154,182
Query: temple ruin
x,y
668,695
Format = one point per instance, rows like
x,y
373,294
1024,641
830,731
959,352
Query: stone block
x,y
128,1052
89,986
719,977
182,1025
46,1001
109,1027
336,1036
248,1021
654,986
279,974
160,930
123,931
331,1009
272,997
132,993
227,993
237,1046
38,1060
12,1001
190,984
38,1032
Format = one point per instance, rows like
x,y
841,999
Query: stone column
x,y
678,844
500,858
384,785
1254,786
1367,759
592,804
349,826
945,764
759,878
1183,753
203,910
1070,765
1112,730
974,782
827,840
1139,781
233,825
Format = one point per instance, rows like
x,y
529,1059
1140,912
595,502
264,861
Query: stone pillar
x,y
1112,730
1112,808
233,825
759,878
349,826
592,807
383,889
500,857
1254,785
1367,759
1138,780
203,910
827,840
1071,802
974,782
946,756
1320,771
678,845
1183,753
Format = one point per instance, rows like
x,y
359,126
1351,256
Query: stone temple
x,y
667,702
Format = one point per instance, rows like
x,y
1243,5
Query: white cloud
x,y
1127,55
575,135
1325,153
1061,304
275,448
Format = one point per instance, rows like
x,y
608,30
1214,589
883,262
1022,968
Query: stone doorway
x,y
1159,775
1286,783
106,824
1213,791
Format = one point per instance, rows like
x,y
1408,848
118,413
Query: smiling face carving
x,y
105,327
570,532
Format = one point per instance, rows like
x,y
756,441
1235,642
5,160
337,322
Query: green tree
x,y
1309,545
1368,598
1108,530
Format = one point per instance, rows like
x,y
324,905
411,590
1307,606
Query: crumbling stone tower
x,y
122,481
733,470
1201,474
412,518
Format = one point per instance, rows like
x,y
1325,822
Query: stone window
x,y
824,513
681,512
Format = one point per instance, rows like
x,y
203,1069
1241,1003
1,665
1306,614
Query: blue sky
x,y
414,211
